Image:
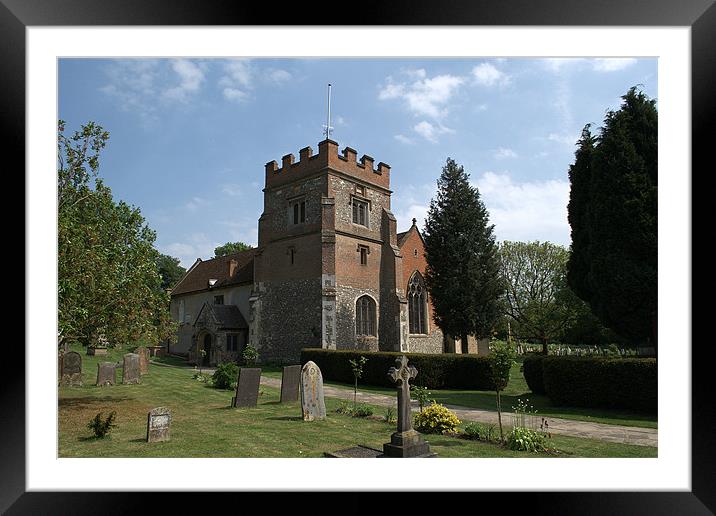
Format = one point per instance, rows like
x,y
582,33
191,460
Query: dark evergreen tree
x,y
616,266
170,270
463,271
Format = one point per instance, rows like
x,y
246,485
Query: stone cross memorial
x,y
143,359
290,381
247,387
106,373
312,404
130,369
406,442
158,423
71,368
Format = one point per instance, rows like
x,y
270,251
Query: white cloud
x,y
232,190
504,153
425,96
431,132
526,211
612,64
558,64
197,245
404,139
194,204
237,79
190,78
278,76
569,140
486,74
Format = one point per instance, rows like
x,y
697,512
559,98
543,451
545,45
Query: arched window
x,y
365,316
417,304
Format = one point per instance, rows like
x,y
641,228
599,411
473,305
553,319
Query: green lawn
x,y
205,426
517,388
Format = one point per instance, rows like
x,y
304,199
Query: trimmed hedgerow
x,y
435,371
532,371
625,383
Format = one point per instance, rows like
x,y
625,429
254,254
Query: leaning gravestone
x,y
158,423
290,381
406,442
247,387
71,368
130,370
106,373
143,359
312,404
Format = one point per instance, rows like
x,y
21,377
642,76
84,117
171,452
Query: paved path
x,y
599,431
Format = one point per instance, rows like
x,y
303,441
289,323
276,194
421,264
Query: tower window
x,y
360,212
292,254
365,316
364,252
298,212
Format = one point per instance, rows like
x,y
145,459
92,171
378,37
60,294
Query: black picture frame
x,y
699,15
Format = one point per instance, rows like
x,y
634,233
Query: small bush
x,y
421,394
102,427
363,411
200,377
225,376
390,415
526,439
436,419
249,355
480,431
345,408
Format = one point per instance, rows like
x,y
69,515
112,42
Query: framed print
x,y
422,60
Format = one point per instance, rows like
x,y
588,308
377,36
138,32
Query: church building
x,y
330,270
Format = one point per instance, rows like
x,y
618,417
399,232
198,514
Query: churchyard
x,y
199,420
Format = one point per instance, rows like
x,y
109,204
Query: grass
x,y
204,425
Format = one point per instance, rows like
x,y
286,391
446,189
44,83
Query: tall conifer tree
x,y
615,220
463,273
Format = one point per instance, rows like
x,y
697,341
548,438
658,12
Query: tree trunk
x,y
499,416
463,344
545,351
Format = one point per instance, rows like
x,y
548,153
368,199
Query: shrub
x,y
345,408
363,411
532,370
526,439
421,394
436,419
623,383
249,355
225,375
435,371
102,427
480,431
391,415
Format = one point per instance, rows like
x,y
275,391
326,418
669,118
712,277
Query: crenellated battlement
x,y
328,157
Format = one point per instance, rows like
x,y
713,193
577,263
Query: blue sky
x,y
189,137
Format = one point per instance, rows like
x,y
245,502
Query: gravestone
x,y
312,404
143,359
130,370
290,382
406,441
106,373
247,387
158,423
71,368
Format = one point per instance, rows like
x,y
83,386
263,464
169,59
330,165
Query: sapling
x,y
357,368
501,358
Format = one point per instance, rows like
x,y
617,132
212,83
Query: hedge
x,y
624,383
532,370
435,371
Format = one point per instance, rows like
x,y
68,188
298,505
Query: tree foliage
x,y
230,248
613,215
462,273
170,270
537,296
109,284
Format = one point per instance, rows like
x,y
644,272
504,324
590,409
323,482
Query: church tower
x,y
328,267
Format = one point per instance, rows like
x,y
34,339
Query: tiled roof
x,y
229,316
401,236
198,276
